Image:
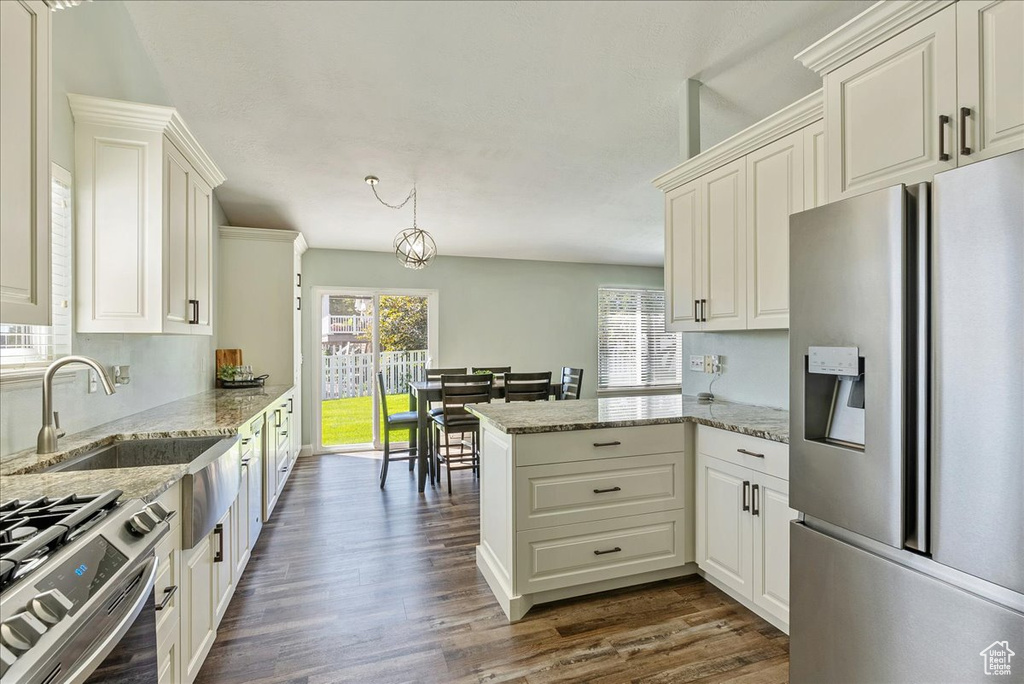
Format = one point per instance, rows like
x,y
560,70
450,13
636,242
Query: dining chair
x,y
456,392
572,381
527,386
434,375
404,420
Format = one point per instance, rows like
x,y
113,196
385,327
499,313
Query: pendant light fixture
x,y
414,247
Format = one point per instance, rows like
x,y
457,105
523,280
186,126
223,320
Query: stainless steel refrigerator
x,y
907,432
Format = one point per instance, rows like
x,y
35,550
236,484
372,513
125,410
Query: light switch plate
x,y
697,363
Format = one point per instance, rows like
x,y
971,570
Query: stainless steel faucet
x,y
46,443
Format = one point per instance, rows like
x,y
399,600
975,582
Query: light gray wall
x,y
756,368
532,315
97,52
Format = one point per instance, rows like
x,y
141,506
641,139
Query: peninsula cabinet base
x,y
516,607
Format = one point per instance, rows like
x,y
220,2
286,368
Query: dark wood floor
x,y
351,584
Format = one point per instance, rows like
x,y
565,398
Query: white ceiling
x,y
531,129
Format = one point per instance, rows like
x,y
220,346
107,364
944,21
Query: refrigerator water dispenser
x,y
834,396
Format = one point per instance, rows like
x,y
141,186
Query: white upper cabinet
x,y
990,78
684,256
144,247
775,189
890,112
724,302
727,222
25,162
916,88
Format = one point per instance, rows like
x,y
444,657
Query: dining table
x,y
421,394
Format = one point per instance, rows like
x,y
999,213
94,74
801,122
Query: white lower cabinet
x,y
570,513
723,523
742,523
223,564
167,593
197,625
770,534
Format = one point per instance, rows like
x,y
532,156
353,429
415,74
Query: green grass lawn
x,y
347,421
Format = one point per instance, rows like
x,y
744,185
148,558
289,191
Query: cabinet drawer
x,y
564,493
569,555
582,445
168,582
761,455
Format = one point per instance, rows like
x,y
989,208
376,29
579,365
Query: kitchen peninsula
x,y
578,497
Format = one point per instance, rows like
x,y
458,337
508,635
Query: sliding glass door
x,y
363,333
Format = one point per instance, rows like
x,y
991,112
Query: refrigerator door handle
x,y
746,495
917,494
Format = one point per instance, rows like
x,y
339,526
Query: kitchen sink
x,y
135,453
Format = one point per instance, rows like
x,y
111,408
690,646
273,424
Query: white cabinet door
x,y
683,257
271,463
891,112
198,630
177,247
771,516
240,520
168,661
775,189
990,77
724,523
223,566
200,265
25,162
723,302
815,187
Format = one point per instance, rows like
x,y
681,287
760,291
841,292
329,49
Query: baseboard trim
x,y
747,603
305,450
516,607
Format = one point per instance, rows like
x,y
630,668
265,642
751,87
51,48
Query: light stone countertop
x,y
212,413
588,414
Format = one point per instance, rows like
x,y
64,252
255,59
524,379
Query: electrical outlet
x,y
715,364
697,363
707,363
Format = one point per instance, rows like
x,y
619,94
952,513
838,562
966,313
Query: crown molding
x,y
106,112
870,28
301,245
263,235
788,120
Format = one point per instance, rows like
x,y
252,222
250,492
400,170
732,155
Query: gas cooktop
x,y
31,531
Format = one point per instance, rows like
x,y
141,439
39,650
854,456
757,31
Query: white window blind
x,y
633,347
27,345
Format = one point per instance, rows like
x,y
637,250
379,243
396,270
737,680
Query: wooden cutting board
x,y
229,357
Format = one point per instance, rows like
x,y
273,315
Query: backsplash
x,y
756,369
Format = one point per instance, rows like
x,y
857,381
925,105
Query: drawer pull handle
x,y
601,553
168,595
604,444
750,453
610,489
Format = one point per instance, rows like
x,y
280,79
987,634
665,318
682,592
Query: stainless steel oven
x,y
77,603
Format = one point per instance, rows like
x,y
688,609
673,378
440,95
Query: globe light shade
x,y
415,248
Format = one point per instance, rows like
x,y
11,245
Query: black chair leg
x,y
387,458
412,445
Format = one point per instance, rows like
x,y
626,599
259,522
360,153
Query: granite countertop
x,y
588,414
209,414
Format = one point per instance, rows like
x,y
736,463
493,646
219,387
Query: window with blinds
x,y
633,348
27,345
